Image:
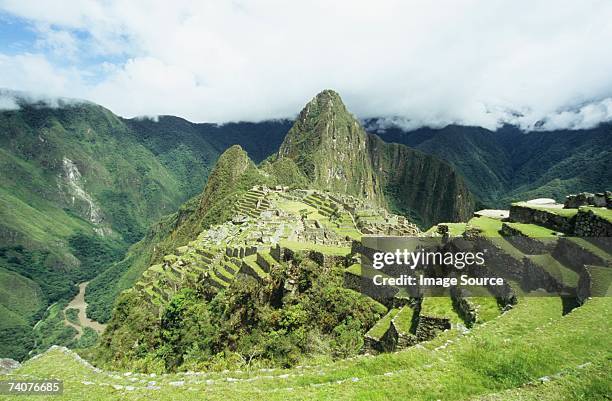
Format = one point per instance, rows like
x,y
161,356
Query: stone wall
x,y
383,294
527,245
595,281
429,326
499,261
246,270
275,252
530,215
537,278
588,224
395,339
464,307
600,199
263,263
576,256
585,286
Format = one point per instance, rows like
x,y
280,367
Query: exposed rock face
x,y
429,326
334,152
70,182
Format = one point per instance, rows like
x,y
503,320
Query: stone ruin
x,y
600,199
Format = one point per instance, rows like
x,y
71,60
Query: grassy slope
x,y
19,296
489,361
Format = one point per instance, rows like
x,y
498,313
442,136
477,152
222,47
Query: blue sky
x,y
417,63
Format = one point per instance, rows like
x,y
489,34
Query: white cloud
x,y
587,116
419,62
34,73
8,103
60,42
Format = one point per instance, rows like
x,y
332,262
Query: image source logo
x,y
393,267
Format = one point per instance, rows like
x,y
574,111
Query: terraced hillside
x,y
267,225
460,347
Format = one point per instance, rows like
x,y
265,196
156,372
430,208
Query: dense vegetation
x,y
247,325
28,285
233,174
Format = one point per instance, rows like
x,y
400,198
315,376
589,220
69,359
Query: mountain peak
x,y
328,96
324,103
328,145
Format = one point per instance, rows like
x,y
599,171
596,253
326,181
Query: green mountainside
x,y
79,185
509,164
254,285
397,182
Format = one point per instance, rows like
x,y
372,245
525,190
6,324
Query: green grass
x,y
354,269
9,318
534,231
604,213
590,381
381,327
440,307
403,319
490,361
601,280
20,295
487,308
552,210
589,246
488,226
456,229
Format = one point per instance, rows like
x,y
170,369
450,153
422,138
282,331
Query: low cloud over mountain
x,y
537,64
